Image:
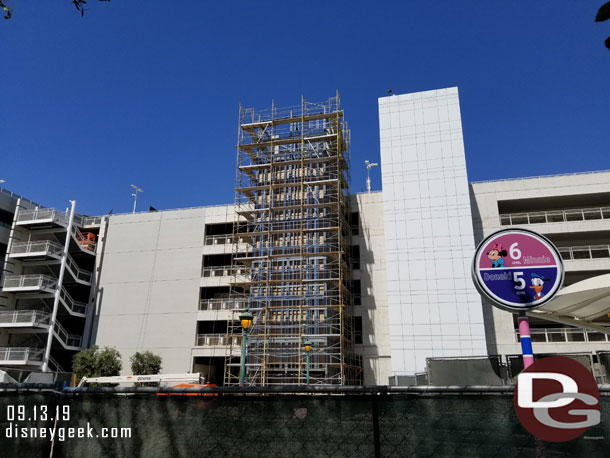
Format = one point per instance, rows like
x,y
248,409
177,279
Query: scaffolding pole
x,y
292,212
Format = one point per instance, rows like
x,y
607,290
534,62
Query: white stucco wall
x,y
433,308
149,285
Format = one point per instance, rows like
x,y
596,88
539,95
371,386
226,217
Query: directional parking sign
x,y
517,269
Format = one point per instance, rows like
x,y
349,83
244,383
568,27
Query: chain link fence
x,y
445,423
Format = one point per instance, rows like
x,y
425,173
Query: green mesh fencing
x,y
294,426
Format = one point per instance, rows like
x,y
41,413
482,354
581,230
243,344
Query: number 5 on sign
x,y
515,252
517,278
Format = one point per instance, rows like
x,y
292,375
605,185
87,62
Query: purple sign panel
x,y
517,269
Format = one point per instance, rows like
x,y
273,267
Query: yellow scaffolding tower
x,y
292,215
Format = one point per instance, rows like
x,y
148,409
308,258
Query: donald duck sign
x,y
517,269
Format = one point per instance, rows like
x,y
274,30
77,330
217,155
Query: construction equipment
x,y
161,379
292,215
190,385
88,241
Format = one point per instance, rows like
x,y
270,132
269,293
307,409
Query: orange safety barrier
x,y
189,385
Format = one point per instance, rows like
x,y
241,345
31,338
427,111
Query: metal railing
x,y
212,340
42,246
57,216
36,317
574,253
37,214
222,239
55,365
78,273
29,281
71,340
542,176
83,242
21,354
555,216
558,335
222,304
81,220
14,195
40,317
224,271
75,306
50,248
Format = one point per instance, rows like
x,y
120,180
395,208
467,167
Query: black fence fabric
x,y
244,426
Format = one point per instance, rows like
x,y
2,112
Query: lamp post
x,y
307,344
135,196
246,322
369,166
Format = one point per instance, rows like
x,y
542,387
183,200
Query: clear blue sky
x,y
148,92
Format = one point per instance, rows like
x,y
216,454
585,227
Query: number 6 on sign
x,y
508,261
515,252
517,279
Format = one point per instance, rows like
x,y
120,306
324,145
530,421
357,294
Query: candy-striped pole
x,y
526,340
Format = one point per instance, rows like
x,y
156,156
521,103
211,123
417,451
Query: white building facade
x,y
434,310
162,279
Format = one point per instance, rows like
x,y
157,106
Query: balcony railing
x,y
50,248
213,340
555,216
30,281
222,239
222,304
44,214
26,354
57,216
558,335
81,220
43,246
224,271
574,253
37,317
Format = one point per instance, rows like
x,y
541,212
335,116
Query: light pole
x,y
307,344
2,181
246,322
369,166
135,196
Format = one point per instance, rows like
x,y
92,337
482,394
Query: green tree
x,y
94,362
146,363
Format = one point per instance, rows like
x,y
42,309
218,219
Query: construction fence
x,y
451,422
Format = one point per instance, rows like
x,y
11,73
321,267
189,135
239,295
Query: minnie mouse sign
x,y
517,269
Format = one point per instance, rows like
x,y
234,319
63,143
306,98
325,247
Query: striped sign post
x,y
526,340
518,270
